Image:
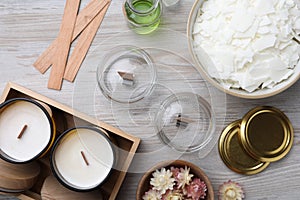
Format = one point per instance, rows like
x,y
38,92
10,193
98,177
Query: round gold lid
x,y
266,134
233,154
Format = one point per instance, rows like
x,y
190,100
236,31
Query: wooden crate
x,y
62,113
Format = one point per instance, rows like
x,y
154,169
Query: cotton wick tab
x,y
182,121
22,131
84,158
128,78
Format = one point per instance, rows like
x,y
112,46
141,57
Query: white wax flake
x,y
250,33
241,21
283,45
263,42
266,84
277,64
263,7
263,30
248,42
265,21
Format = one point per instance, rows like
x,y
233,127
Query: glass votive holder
x,y
143,16
185,122
169,3
82,158
126,74
27,130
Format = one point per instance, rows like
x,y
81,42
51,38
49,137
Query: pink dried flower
x,y
196,189
152,195
231,190
175,171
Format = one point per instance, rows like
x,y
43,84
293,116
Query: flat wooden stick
x,y
84,158
84,42
64,40
87,14
22,131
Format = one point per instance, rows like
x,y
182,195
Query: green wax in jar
x,y
144,14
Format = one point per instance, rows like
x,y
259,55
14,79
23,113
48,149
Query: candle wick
x,y
84,158
22,131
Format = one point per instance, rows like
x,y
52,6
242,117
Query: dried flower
x,y
231,191
175,171
196,189
152,195
173,195
162,180
184,177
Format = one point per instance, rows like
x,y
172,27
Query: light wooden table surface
x,y
28,27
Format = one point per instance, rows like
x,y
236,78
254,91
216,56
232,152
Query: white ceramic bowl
x,y
201,61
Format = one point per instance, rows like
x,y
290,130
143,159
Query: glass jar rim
x,y
154,6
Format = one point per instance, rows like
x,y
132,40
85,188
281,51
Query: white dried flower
x,y
231,191
173,195
162,180
184,177
152,195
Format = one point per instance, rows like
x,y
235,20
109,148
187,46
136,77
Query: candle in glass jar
x,y
26,130
82,158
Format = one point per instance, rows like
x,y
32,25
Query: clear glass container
x,y
185,122
169,3
127,74
143,16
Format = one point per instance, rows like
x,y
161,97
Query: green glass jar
x,y
143,15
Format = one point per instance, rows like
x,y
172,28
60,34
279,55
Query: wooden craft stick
x,y
84,158
87,14
84,42
22,131
64,40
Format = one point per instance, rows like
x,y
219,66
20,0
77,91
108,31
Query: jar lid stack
x,y
263,135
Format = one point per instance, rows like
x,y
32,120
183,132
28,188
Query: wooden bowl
x,y
144,183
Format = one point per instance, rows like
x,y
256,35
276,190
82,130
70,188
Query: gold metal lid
x,y
266,134
233,154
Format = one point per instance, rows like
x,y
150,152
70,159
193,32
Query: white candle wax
x,y
71,165
35,138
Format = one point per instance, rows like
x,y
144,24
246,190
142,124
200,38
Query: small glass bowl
x,y
185,122
126,74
